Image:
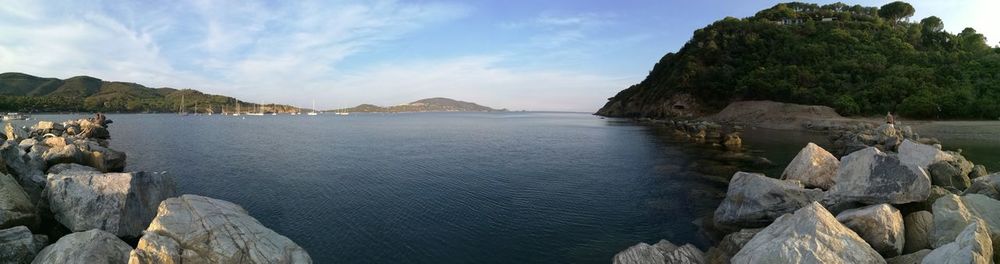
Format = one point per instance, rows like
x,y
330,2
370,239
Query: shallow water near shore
x,y
450,187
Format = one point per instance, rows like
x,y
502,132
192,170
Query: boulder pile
x,y
62,183
851,210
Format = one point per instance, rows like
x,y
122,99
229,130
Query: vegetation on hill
x,y
858,60
21,92
437,104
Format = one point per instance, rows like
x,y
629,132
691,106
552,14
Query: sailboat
x,y
342,112
237,109
180,110
314,109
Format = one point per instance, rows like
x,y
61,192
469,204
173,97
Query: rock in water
x,y
754,200
120,203
64,154
879,225
912,258
813,166
973,245
988,185
94,246
953,213
17,245
662,252
15,208
730,245
810,235
197,229
873,177
918,228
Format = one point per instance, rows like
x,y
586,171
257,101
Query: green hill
x,y
858,60
437,104
26,93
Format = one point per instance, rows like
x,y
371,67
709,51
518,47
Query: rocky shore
x,y
65,198
884,195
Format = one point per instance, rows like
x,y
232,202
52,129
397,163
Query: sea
x,y
507,187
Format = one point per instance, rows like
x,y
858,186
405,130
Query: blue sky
x,y
535,55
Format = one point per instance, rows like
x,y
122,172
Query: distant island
x,y
21,92
861,61
437,104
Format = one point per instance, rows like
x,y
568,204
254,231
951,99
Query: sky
x,y
558,55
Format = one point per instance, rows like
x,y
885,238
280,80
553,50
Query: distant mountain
x,y
26,93
437,104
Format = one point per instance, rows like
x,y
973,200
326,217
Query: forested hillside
x,y
26,93
858,60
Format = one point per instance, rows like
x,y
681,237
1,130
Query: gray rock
x,y
15,208
988,185
64,154
880,225
55,142
810,235
14,133
730,245
873,177
944,174
754,200
918,228
197,229
813,166
41,241
72,168
978,171
120,203
27,143
953,213
659,253
921,155
30,177
94,246
912,258
17,245
972,245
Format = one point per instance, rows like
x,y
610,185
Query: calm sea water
x,y
448,187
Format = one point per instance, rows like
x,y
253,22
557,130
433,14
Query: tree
x,y
896,10
932,24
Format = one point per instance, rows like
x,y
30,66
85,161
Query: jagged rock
x,y
978,171
55,142
810,235
958,161
15,207
120,203
987,185
14,133
730,245
71,168
912,258
94,246
29,176
972,245
100,157
27,143
659,253
41,241
17,245
813,166
64,154
921,155
953,213
199,229
873,177
880,225
754,200
918,228
944,174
